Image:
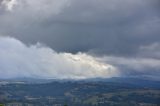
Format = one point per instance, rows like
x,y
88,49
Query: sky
x,y
79,39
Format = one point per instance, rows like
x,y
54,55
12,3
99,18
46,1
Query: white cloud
x,y
39,61
19,60
9,4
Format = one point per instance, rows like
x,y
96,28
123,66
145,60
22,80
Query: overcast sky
x,y
109,37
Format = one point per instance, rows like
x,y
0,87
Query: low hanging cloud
x,y
38,61
135,66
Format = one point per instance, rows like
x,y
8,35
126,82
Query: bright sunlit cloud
x,y
19,60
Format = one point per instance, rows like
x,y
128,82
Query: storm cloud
x,y
116,27
123,34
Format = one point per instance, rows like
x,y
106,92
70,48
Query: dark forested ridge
x,y
102,92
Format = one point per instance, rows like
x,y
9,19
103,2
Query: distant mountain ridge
x,y
88,92
140,82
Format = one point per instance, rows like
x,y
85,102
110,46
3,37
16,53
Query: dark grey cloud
x,y
116,27
121,33
137,66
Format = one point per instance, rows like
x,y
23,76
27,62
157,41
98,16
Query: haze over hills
x,y
141,82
